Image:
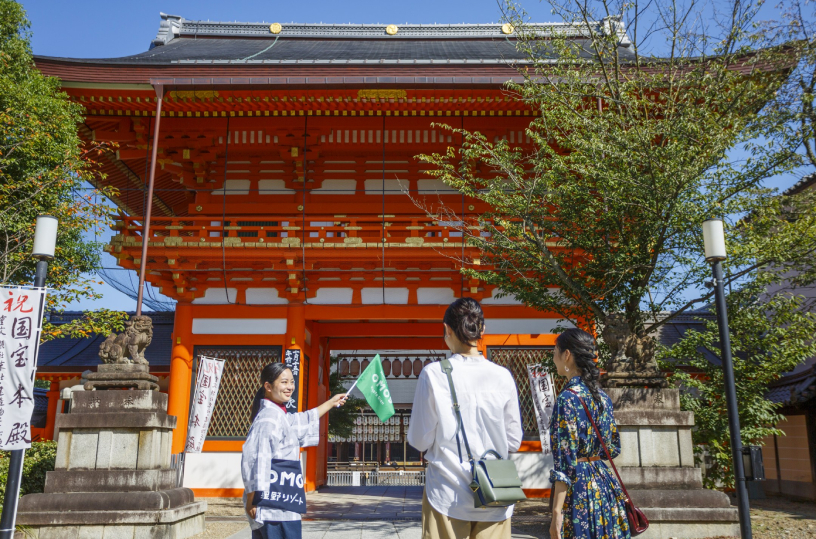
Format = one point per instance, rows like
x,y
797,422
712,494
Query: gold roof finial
x,y
275,28
391,29
507,28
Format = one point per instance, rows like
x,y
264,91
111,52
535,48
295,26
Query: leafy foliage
x,y
44,166
770,335
630,156
341,420
40,459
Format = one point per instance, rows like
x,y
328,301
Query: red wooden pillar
x,y
181,368
53,399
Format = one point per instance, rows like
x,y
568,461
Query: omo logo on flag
x,y
375,389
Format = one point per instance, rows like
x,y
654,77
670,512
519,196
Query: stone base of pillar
x,y
657,465
112,475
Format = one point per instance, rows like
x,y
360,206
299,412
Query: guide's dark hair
x,y
270,373
585,353
465,317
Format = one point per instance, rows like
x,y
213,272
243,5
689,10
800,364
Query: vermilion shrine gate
x,y
281,212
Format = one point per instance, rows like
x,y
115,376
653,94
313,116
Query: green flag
x,y
373,386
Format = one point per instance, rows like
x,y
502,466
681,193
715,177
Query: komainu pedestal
x,y
657,465
113,476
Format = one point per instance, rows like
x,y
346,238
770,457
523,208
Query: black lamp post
x,y
45,240
714,243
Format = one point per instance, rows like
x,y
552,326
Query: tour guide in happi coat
x,y
588,502
277,435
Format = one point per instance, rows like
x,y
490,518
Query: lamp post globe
x,y
714,240
45,237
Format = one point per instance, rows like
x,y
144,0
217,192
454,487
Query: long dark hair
x,y
465,317
270,373
585,352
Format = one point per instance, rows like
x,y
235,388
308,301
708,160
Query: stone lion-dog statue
x,y
137,336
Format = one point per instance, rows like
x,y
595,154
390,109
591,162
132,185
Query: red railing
x,y
292,230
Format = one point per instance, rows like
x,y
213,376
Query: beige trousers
x,y
435,525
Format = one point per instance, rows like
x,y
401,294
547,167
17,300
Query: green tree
x,y
341,420
770,335
632,152
44,167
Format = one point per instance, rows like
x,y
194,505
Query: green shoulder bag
x,y
494,482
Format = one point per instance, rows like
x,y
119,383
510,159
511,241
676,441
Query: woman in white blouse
x,y
490,412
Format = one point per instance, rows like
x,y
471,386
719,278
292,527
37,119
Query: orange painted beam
x,y
396,329
387,343
50,422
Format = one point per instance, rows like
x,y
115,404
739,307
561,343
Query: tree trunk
x,y
633,356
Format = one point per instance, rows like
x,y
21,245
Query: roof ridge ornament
x,y
169,29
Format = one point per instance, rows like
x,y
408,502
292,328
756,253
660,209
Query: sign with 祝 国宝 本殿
x,y
20,325
541,387
206,391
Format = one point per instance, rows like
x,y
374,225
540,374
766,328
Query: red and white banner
x,y
541,386
206,391
21,312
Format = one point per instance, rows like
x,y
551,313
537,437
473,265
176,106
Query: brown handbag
x,y
638,523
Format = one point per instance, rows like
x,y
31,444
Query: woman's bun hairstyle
x,y
465,317
585,353
270,373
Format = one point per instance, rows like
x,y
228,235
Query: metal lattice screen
x,y
240,381
516,361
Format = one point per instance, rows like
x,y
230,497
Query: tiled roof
x,y
182,41
801,185
78,355
794,388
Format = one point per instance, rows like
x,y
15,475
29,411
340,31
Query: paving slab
x,y
365,530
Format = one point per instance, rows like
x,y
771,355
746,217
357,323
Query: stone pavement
x,y
370,512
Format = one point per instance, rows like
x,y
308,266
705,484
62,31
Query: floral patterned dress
x,y
593,508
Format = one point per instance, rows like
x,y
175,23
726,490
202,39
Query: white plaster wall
x,y
217,296
534,468
233,187
239,326
263,296
273,187
212,470
435,296
431,187
392,187
393,296
522,326
336,187
332,296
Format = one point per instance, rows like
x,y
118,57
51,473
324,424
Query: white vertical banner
x,y
21,311
206,391
541,387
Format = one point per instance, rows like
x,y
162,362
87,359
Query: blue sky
x,y
105,29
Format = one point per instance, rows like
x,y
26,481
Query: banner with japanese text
x,y
21,311
292,360
206,391
541,387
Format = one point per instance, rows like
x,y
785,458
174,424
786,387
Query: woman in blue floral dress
x,y
587,499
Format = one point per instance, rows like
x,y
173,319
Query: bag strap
x,y
460,426
603,444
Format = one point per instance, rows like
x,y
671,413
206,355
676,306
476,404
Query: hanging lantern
x,y
364,365
406,367
386,366
426,362
396,367
343,367
355,367
417,366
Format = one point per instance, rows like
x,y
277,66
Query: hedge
x,y
38,460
